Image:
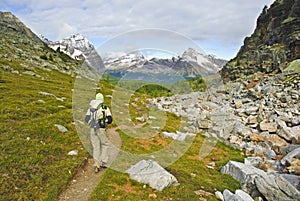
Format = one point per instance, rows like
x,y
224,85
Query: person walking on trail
x,y
98,116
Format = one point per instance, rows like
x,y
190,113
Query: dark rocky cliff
x,y
274,43
21,47
12,27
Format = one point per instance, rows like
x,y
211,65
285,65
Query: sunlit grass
x,y
192,173
34,163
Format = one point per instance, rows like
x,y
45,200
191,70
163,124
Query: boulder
x,y
204,124
150,172
229,196
254,161
245,174
257,138
252,119
288,133
219,195
258,183
245,196
238,104
252,110
270,153
294,167
276,188
293,179
140,119
73,153
296,121
241,129
275,142
292,154
268,126
238,196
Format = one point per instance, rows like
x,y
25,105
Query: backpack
x,y
97,120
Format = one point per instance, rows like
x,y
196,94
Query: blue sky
x,y
218,27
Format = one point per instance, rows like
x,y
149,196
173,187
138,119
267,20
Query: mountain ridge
x,y
191,64
274,43
76,46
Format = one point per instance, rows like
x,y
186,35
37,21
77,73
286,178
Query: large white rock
x,y
240,171
229,196
292,154
257,182
179,136
150,172
277,188
288,133
219,195
245,174
254,161
243,195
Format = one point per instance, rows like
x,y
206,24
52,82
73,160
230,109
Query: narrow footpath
x,y
85,181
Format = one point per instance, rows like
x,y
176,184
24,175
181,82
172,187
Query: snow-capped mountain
x,y
190,64
208,63
124,62
76,46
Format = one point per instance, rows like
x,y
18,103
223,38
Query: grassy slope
x,y
191,173
34,164
118,186
33,160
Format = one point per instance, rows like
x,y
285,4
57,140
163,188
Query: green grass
x,y
191,172
34,164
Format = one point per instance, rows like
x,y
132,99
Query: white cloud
x,y
227,21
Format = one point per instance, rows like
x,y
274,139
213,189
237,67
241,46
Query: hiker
x,y
98,116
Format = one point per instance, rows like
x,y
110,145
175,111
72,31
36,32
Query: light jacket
x,y
98,105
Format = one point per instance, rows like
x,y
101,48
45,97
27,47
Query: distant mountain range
x,y
190,64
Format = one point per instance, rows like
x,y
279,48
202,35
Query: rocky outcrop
x,y
259,116
11,24
274,43
260,184
25,51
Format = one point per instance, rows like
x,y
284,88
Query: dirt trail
x,y
85,181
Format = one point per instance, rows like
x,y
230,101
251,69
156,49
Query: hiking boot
x,y
103,165
97,169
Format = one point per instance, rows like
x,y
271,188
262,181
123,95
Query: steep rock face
x,y
20,45
274,43
10,24
22,49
